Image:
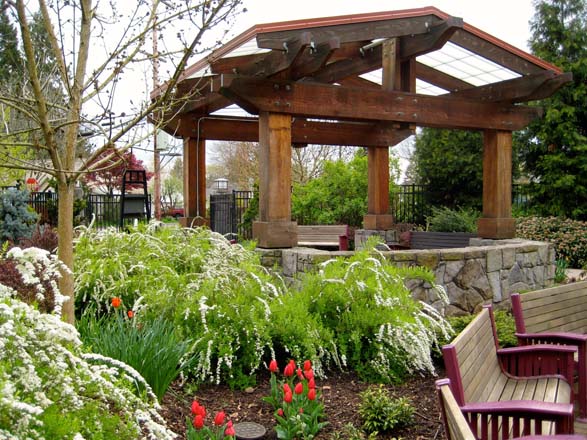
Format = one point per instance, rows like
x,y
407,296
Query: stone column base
x,y
497,228
282,234
379,222
192,222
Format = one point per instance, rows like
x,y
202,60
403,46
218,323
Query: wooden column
x,y
378,216
194,182
275,228
497,221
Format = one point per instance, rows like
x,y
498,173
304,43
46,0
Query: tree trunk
x,y
65,249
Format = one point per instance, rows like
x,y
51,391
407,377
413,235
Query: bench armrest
x,y
551,338
520,416
539,360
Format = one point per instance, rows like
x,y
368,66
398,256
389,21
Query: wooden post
x,y
194,182
497,221
275,228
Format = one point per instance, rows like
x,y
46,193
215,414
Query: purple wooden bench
x,y
504,405
556,315
456,426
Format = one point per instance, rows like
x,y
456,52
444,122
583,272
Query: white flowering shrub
x,y
364,317
51,389
216,293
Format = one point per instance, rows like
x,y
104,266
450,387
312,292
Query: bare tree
x,y
95,45
308,162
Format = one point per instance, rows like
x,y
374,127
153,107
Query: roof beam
x,y
439,34
313,59
357,31
522,89
354,134
337,71
335,102
440,79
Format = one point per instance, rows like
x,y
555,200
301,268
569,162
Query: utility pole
x,y
156,157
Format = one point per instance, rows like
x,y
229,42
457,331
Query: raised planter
x,y
439,240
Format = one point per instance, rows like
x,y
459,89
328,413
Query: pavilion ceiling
x,y
327,73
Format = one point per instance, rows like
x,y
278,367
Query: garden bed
x,y
341,401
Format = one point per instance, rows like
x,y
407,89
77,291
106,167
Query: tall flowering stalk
x,y
197,429
296,401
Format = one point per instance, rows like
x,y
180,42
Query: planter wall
x,y
439,240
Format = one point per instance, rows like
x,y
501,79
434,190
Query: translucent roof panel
x,y
466,65
422,87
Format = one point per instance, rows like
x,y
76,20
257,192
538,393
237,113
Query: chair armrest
x,y
539,360
552,338
521,417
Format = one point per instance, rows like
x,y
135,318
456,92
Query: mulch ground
x,y
340,394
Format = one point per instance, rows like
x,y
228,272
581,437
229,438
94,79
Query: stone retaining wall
x,y
487,271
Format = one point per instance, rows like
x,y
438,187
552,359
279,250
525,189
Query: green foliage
x,y
251,214
560,271
380,412
554,148
453,220
51,389
351,432
568,236
504,323
450,162
17,220
150,347
337,196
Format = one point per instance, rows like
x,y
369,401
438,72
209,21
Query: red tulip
x,y
130,314
219,418
312,394
299,373
301,411
308,374
286,388
198,422
280,412
116,301
307,365
311,383
229,431
299,388
195,406
273,366
288,397
289,369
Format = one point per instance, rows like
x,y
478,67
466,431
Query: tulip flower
x,y
286,388
289,369
229,431
307,365
273,366
312,394
219,418
311,383
195,406
288,397
130,314
280,412
308,374
198,422
299,373
116,301
299,388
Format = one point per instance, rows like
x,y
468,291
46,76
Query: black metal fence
x,y
410,204
227,214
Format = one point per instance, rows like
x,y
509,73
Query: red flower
x,y
286,388
130,314
299,373
311,383
273,366
198,409
198,421
307,365
308,374
312,394
289,369
116,301
219,418
195,406
280,412
301,411
288,397
299,388
229,431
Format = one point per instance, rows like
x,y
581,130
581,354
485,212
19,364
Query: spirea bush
x,y
358,313
51,389
217,294
568,236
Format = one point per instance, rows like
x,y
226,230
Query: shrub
x,y
351,432
380,412
568,236
16,218
43,237
504,323
51,389
150,347
451,220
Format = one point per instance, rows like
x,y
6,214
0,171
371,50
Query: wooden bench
x,y
324,236
456,426
528,399
556,315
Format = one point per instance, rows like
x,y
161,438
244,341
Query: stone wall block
x,y
468,274
508,257
494,260
428,259
494,279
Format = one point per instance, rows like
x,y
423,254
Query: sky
x,y
504,19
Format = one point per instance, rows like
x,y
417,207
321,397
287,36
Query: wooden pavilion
x,y
365,80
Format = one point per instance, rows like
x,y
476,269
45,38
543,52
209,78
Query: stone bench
x,y
556,315
509,393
